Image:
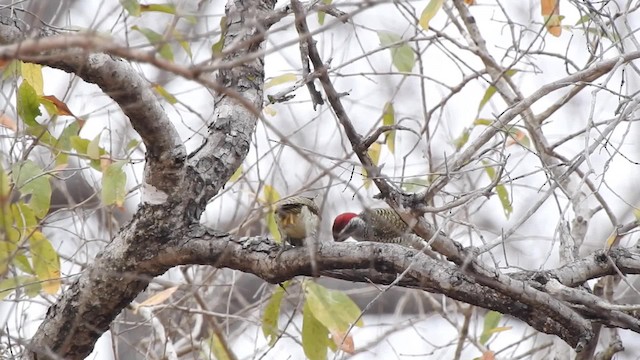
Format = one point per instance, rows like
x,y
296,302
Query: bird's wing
x,y
294,204
386,223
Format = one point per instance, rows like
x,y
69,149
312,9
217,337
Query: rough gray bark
x,y
156,239
171,186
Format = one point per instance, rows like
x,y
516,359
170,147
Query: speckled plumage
x,y
297,218
378,225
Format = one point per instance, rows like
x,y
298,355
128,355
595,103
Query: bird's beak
x,y
337,237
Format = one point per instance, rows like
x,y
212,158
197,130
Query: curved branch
x,y
165,151
229,137
380,263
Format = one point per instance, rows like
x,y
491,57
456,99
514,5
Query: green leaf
x,y
131,6
583,19
490,326
270,197
388,119
503,195
132,144
314,335
6,250
28,104
30,179
164,8
462,139
281,79
335,310
165,94
636,214
429,12
11,70
186,46
501,190
93,148
321,13
23,264
156,40
218,350
64,142
5,186
46,262
415,184
8,286
114,183
217,47
24,217
402,55
485,122
492,90
88,148
236,175
32,74
272,313
79,144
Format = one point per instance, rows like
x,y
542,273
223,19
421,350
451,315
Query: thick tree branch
x,y
229,137
120,272
381,264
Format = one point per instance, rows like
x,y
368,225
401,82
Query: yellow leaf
x,y
165,94
236,175
388,119
272,313
217,348
501,190
32,73
314,335
269,110
429,12
612,240
46,262
281,79
462,139
334,309
374,154
157,298
93,149
270,197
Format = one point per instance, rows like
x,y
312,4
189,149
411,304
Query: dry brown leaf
x,y
62,108
488,355
8,122
517,137
470,2
551,14
345,343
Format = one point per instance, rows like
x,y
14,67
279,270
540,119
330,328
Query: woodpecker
x,y
378,225
298,218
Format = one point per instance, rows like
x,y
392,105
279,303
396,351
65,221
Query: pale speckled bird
x,y
378,225
298,218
